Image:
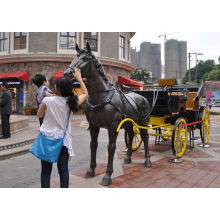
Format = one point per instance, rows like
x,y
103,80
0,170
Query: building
x,y
149,58
24,54
175,59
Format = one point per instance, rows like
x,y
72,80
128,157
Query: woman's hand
x,y
77,75
81,98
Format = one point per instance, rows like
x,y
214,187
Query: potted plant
x,y
27,109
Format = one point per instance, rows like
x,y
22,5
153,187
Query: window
x,y
67,40
3,41
122,47
92,38
20,40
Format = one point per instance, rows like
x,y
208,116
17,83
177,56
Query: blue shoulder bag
x,y
47,149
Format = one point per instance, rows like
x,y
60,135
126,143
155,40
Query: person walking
x,y
6,107
55,111
43,90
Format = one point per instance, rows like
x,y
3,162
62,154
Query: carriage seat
x,y
190,103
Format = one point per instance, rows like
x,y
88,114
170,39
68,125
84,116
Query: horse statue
x,y
106,107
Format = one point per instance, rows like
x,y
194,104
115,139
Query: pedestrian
x,y
6,107
55,111
43,90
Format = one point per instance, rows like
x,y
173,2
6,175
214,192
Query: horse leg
x,y
111,151
145,138
127,159
94,132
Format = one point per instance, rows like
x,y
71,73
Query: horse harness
x,y
107,100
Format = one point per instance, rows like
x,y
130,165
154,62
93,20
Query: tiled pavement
x,y
200,167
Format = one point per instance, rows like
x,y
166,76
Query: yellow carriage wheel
x,y
179,136
205,126
136,142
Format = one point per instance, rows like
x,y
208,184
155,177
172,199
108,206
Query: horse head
x,y
84,60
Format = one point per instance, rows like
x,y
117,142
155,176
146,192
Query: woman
x,y
43,90
55,111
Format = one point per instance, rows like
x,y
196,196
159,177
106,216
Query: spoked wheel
x,y
136,143
179,136
205,125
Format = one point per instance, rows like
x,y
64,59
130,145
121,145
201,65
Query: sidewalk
x,y
22,139
200,167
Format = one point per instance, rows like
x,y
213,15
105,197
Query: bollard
x,y
176,159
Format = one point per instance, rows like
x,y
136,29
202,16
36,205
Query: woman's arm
x,y
41,111
81,98
46,93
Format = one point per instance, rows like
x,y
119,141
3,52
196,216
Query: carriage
x,y
176,112
170,110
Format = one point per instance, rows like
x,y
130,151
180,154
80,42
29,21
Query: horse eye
x,y
85,58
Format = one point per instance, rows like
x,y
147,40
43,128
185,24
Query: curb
x,y
11,152
15,145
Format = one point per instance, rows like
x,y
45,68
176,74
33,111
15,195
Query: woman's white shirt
x,y
55,121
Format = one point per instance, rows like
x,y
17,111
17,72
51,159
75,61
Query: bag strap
x,y
67,124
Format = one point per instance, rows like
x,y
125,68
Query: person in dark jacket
x,y
5,104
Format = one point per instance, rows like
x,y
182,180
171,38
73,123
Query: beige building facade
x,y
46,53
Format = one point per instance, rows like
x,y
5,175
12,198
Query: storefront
x,y
17,85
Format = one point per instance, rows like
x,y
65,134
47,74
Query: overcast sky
x,y
207,43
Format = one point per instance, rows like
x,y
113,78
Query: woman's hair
x,y
65,85
39,79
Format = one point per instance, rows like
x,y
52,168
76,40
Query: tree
x,y
212,75
203,67
142,74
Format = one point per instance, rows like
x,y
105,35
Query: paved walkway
x,y
200,167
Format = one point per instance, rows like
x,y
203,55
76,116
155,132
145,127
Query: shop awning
x,y
57,75
128,81
60,74
19,75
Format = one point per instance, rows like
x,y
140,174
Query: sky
x,y
207,43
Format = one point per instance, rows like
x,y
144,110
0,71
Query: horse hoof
x,y
147,164
127,160
90,173
106,181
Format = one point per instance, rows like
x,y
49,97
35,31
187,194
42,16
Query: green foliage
x,y
142,74
204,68
212,75
28,106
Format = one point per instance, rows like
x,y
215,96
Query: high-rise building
x,y
149,57
175,59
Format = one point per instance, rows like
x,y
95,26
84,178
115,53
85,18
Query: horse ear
x,y
88,47
77,48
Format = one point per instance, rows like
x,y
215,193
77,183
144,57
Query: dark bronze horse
x,y
106,107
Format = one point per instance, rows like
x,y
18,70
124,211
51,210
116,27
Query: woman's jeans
x,y
62,165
